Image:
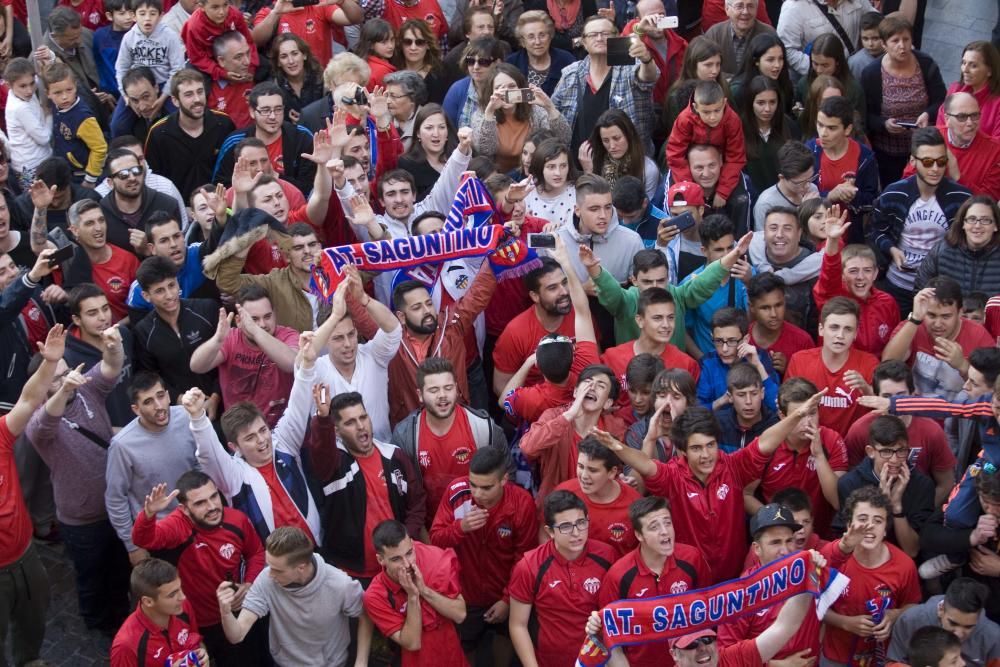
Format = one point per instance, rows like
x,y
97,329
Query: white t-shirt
x,y
924,226
370,379
558,209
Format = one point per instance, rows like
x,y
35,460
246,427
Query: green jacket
x,y
621,303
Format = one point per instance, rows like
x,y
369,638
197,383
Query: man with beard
x,y
285,142
364,368
887,466
428,332
659,565
552,313
913,214
156,444
97,261
71,433
256,358
441,437
210,543
366,482
851,272
184,145
141,92
131,202
265,479
307,601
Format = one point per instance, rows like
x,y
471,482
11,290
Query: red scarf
x,y
654,619
564,15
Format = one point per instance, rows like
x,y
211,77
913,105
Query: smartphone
x,y
681,222
542,241
304,3
604,4
61,255
903,123
618,51
322,394
519,95
666,23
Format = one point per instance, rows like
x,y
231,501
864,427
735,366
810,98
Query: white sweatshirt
x,y
162,51
30,132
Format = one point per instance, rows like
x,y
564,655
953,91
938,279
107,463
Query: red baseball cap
x,y
684,641
685,193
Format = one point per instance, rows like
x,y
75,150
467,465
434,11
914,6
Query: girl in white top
x,y
28,126
554,195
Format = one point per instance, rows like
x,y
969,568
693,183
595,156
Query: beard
x,y
425,327
561,306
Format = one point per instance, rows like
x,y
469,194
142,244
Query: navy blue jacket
x,y
560,59
893,205
866,176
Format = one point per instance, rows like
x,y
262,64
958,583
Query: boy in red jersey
x,y
162,626
490,524
844,371
812,458
416,599
655,314
234,552
560,582
701,482
769,331
883,584
851,272
607,499
658,566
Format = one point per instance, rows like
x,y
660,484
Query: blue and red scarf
x,y
642,621
470,230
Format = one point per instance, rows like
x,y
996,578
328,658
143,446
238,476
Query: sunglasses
x,y
131,171
703,641
482,62
929,162
408,41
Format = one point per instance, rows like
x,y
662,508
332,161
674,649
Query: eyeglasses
x,y
568,527
471,61
598,35
726,342
929,162
702,641
536,37
269,111
804,181
965,117
397,96
131,171
978,222
741,7
409,41
900,453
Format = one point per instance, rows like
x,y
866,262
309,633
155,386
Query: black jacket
x,y
871,84
24,210
918,497
344,503
159,349
14,337
295,140
187,161
734,437
118,226
936,538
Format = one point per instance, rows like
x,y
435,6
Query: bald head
x,y
962,115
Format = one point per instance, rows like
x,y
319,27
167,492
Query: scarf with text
x,y
470,230
666,617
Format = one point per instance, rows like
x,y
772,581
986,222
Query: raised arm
x,y
773,437
36,388
584,325
319,199
41,199
113,356
209,354
634,458
282,355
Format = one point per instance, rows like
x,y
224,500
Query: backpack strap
x,y
825,11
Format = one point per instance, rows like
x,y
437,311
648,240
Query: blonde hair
x,y
856,251
343,68
290,542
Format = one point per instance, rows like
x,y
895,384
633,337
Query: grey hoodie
x,y
615,248
162,52
308,623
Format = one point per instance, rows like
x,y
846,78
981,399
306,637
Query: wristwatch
x,y
913,320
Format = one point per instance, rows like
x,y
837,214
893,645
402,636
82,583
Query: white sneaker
x,y
935,567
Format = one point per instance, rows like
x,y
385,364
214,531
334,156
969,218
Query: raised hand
x,y
949,352
41,195
586,157
137,239
322,149
321,397
111,338
540,99
856,381
590,261
158,500
877,403
194,401
224,325
378,103
246,324
337,128
55,344
607,440
836,222
42,267
518,191
217,202
809,406
73,380
362,209
307,347
243,182
465,140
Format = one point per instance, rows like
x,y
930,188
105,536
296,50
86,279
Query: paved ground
x,y
950,25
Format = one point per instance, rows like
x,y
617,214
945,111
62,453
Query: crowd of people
x,y
760,315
